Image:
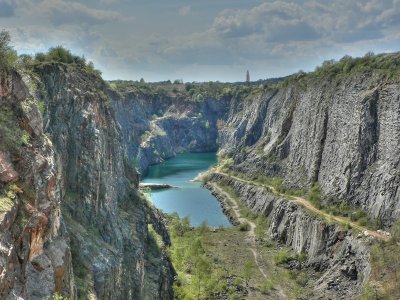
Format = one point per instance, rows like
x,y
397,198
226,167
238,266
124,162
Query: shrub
x,y
63,55
8,56
282,257
244,226
266,287
315,195
60,54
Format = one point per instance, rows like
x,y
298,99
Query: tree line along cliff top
x,y
385,65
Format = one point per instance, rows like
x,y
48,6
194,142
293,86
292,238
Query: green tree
x,y
8,56
60,54
202,270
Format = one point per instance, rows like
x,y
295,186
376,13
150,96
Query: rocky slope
x,y
341,258
84,230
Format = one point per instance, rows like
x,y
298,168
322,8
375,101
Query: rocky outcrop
x,y
341,258
105,214
35,257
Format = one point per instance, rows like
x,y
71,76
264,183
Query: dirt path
x,y
305,203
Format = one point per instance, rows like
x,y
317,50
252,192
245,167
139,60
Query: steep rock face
x,y
156,128
341,133
341,258
105,216
35,258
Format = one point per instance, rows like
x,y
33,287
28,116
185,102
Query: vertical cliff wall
x,y
77,225
342,132
35,257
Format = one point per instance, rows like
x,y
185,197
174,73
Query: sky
x,y
204,40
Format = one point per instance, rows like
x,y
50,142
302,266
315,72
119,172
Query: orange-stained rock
x,y
51,187
59,273
38,232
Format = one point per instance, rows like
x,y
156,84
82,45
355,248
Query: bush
x,y
315,195
8,56
63,55
244,226
266,287
60,54
282,257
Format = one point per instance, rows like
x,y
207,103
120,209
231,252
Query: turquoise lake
x,y
189,198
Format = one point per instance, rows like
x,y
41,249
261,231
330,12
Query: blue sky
x,y
205,39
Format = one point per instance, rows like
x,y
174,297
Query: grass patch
x,y
313,194
266,286
283,256
219,265
385,271
5,204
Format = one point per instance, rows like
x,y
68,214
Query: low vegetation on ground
x,y
226,256
385,274
313,194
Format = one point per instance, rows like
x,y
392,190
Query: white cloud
x,y
185,10
60,12
271,39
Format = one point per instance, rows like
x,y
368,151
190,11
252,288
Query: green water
x,y
189,199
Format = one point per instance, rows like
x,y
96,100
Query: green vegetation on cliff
x,y
386,65
11,136
192,91
8,56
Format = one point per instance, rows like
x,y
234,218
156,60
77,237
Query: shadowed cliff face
x,y
106,217
84,227
155,128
